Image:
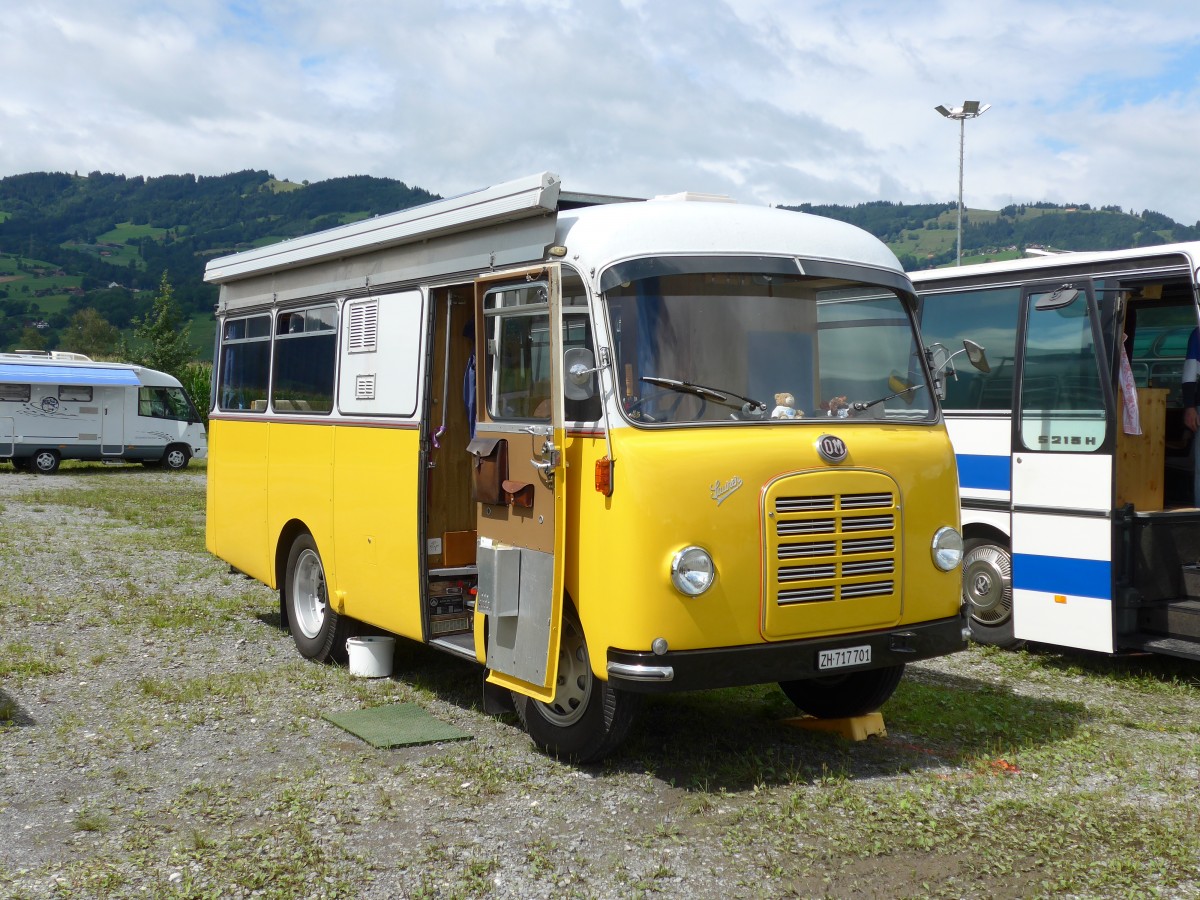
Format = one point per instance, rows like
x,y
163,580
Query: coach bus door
x,y
1062,472
518,475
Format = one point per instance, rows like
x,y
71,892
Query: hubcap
x,y
574,686
987,584
176,459
44,461
308,594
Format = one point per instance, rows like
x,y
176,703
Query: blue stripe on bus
x,y
1063,575
990,473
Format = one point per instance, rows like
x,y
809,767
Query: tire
x,y
987,591
318,631
20,463
45,462
176,457
587,719
843,696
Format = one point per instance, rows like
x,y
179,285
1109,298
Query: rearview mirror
x,y
977,356
579,365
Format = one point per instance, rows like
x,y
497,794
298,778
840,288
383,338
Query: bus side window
x,y
988,317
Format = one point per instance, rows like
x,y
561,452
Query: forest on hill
x,y
81,256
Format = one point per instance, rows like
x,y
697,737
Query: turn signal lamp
x,y
604,476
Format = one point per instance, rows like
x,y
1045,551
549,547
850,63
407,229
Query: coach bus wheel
x,y
587,718
176,457
315,627
45,462
987,589
842,696
20,463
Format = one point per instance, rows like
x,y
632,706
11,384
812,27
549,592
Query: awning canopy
x,y
35,373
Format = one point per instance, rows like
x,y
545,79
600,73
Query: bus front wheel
x,y
843,696
987,590
316,628
588,718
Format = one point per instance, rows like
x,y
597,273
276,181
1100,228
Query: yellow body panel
x,y
708,487
353,488
356,490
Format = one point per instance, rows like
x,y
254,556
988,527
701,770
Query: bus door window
x,y
1062,395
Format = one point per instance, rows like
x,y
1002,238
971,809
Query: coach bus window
x,y
245,364
987,317
1062,396
305,360
14,393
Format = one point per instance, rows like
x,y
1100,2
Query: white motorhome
x,y
56,406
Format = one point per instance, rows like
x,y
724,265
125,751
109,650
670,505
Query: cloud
x,y
805,101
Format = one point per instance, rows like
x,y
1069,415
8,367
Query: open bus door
x,y
1062,472
518,475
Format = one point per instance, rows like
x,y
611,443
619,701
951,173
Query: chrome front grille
x,y
833,546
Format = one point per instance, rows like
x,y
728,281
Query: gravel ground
x,y
161,737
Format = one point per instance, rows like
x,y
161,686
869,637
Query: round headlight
x,y
692,571
947,549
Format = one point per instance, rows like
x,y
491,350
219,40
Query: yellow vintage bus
x,y
603,447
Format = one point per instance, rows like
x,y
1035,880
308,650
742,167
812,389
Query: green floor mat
x,y
395,725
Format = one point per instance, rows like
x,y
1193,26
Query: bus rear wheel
x,y
588,718
842,696
316,629
987,590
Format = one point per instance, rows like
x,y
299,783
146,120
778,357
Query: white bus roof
x,y
1189,251
516,223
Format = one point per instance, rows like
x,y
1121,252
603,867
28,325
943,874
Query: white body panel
x,y
1061,580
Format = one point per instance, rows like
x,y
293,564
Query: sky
x,y
767,101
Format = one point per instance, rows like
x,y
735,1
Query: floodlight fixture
x,y
970,109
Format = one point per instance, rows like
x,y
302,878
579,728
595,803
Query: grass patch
x,y
19,659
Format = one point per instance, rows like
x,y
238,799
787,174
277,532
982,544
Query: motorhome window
x,y
987,317
164,403
14,393
1061,392
75,392
750,346
305,360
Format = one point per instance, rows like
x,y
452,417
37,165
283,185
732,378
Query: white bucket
x,y
371,656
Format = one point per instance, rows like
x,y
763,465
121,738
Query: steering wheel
x,y
661,405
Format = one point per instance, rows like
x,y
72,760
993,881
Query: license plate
x,y
844,656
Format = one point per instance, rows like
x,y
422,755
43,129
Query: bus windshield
x,y
720,347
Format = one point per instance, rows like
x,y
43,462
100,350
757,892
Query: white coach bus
x,y
1077,532
56,406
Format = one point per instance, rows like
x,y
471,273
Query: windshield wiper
x,y
702,391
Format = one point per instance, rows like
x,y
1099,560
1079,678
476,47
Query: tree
x,y
90,333
161,341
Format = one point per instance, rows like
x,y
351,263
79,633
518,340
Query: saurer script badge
x,y
721,492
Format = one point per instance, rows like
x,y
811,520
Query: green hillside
x,y
71,242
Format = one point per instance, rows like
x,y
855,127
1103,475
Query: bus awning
x,y
26,373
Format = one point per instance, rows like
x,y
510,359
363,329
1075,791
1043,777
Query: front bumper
x,y
689,670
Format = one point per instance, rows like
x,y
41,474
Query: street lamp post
x,y
970,109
